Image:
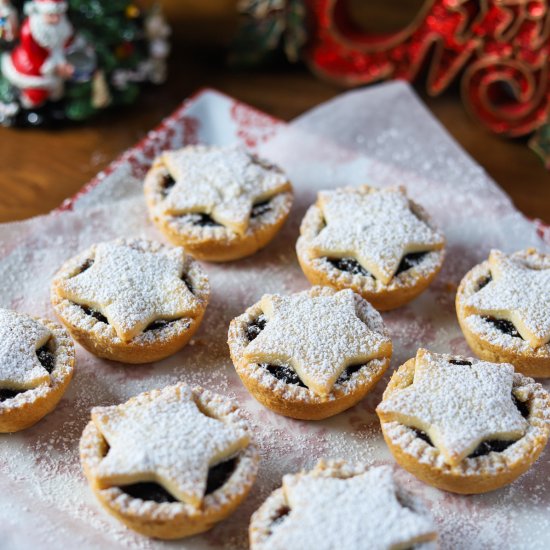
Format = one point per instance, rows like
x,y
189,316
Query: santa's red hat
x,y
46,6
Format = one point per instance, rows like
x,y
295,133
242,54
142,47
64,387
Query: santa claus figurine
x,y
38,66
8,22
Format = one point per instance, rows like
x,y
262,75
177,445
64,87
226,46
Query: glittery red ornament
x,y
501,48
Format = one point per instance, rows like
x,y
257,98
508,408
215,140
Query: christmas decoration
x,y
8,22
269,26
72,58
501,47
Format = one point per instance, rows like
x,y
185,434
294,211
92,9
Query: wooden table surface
x,y
41,168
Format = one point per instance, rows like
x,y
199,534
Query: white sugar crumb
x,y
20,337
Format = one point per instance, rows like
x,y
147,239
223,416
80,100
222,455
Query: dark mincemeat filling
x,y
86,265
409,261
205,220
261,208
167,183
46,357
484,282
255,327
286,373
485,447
348,371
352,266
94,313
217,477
148,491
503,325
188,283
47,360
8,394
280,516
155,325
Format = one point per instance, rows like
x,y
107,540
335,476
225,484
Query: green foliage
x,y
269,28
7,93
115,29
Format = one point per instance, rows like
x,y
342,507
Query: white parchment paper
x,y
383,136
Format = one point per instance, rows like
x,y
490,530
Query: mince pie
x,y
169,463
503,306
377,242
220,203
36,366
131,300
464,425
337,505
312,354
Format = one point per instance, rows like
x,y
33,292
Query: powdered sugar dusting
x,y
375,226
133,283
358,512
457,405
279,206
45,500
224,182
164,436
318,335
493,335
20,337
518,292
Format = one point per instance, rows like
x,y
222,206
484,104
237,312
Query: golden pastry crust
x,y
486,340
101,338
216,243
472,475
276,506
30,406
402,288
172,520
293,400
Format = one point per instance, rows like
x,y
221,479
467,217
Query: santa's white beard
x,y
48,35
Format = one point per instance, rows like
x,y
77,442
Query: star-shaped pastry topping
x,y
163,437
132,286
376,227
354,513
319,336
517,293
20,337
458,405
224,182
